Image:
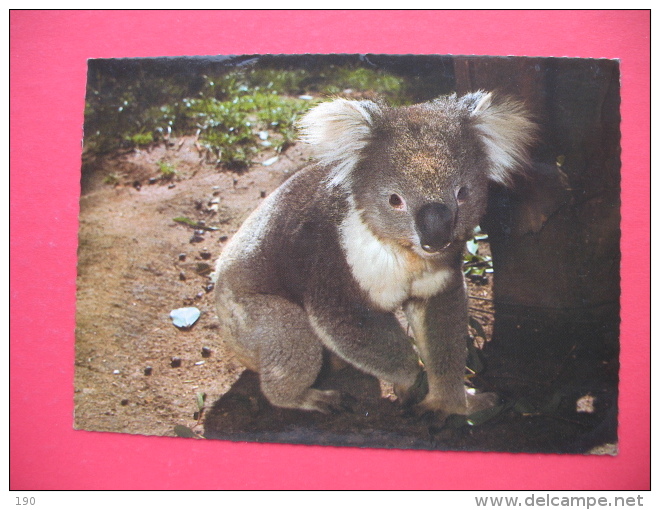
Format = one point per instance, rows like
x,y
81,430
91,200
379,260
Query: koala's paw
x,y
436,408
323,401
467,404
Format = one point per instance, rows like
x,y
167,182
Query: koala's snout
x,y
435,223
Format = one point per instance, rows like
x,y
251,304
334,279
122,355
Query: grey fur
x,y
328,257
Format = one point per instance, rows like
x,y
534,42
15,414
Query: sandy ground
x,y
136,265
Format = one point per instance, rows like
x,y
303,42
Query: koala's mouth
x,y
416,247
433,250
428,251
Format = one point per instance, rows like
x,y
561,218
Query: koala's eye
x,y
462,194
397,202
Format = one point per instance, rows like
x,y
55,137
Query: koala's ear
x,y
506,129
338,131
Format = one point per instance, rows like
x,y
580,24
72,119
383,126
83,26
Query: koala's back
x,y
270,269
277,248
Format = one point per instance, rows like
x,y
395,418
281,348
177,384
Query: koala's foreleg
x,y
439,326
370,340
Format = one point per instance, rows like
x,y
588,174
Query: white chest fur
x,y
384,271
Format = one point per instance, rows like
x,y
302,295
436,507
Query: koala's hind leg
x,y
275,335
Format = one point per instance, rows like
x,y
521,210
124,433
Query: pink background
x,y
49,50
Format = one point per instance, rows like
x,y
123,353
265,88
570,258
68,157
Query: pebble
x,y
148,370
182,276
262,194
206,352
203,269
124,402
205,254
182,256
270,161
184,318
209,287
176,362
153,180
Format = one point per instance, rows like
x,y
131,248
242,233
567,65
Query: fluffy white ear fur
x,y
507,131
338,130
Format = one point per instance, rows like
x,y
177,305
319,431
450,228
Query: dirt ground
x,y
137,373
135,265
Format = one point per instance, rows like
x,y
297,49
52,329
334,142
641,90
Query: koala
x,y
377,224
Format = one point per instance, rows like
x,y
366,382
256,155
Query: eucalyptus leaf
x,y
455,421
201,398
183,431
191,223
524,406
478,328
472,246
474,362
552,406
481,417
185,221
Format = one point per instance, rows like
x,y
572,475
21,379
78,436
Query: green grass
x,y
229,113
167,170
140,139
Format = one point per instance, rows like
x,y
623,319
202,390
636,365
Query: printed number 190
x,y
25,501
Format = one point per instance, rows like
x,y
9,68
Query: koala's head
x,y
419,174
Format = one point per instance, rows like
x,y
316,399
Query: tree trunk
x,y
555,237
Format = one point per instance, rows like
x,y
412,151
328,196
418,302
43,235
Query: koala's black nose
x,y
435,222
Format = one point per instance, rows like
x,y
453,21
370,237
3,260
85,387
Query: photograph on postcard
x,y
387,251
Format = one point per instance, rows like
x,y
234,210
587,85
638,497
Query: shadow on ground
x,y
540,384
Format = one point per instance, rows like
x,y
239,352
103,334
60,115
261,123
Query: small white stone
x,y
270,161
